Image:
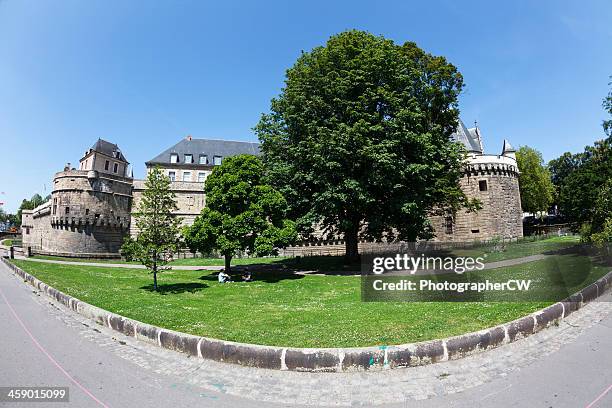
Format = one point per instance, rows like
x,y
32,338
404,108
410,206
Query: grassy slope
x,y
282,309
491,254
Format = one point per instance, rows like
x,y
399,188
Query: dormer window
x,y
217,160
203,159
188,159
174,158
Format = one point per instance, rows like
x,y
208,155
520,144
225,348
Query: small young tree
x,y
158,228
242,213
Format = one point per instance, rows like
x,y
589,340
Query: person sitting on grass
x,y
224,277
246,277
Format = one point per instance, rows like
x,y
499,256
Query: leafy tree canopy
x,y
534,181
242,213
359,140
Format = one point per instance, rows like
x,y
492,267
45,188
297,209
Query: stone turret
x,y
89,210
493,180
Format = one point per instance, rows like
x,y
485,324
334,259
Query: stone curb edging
x,y
329,359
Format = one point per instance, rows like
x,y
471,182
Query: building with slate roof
x,y
187,164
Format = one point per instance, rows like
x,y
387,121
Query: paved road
x,y
44,344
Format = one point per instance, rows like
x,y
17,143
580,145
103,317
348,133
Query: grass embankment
x,y
7,242
178,262
286,309
491,253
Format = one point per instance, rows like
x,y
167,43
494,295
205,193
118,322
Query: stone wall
x,y
500,215
190,200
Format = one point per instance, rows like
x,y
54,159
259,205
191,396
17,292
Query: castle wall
x,y
500,216
190,200
88,215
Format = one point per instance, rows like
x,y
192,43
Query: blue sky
x,y
146,74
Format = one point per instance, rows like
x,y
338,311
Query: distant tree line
x,y
583,185
15,219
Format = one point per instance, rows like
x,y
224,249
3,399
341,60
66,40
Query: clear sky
x,y
146,74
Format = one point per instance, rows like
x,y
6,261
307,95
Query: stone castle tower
x,y
89,210
493,180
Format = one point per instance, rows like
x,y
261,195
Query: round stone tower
x,y
493,180
89,213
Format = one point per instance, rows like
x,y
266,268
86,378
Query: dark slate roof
x,y
507,148
470,140
108,148
208,147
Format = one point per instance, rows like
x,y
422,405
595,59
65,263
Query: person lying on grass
x,y
224,277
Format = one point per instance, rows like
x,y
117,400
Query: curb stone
x,y
328,359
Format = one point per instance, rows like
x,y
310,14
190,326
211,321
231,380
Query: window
x,y
201,177
186,176
87,211
172,175
106,164
203,159
475,231
217,160
115,167
67,210
174,158
188,158
482,185
448,224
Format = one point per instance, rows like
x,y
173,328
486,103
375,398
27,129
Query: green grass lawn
x,y
285,309
526,247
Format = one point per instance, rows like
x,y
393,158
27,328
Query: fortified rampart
x,y
493,180
88,213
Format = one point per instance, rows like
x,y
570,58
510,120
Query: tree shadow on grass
x,y
176,288
262,275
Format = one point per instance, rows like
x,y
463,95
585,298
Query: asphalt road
x,y
40,350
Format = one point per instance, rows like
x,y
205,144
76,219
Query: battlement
x,y
492,165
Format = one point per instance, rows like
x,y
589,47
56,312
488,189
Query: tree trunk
x,y
155,277
228,264
351,242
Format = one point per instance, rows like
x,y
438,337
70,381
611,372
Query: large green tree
x,y
534,181
359,140
158,237
242,213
